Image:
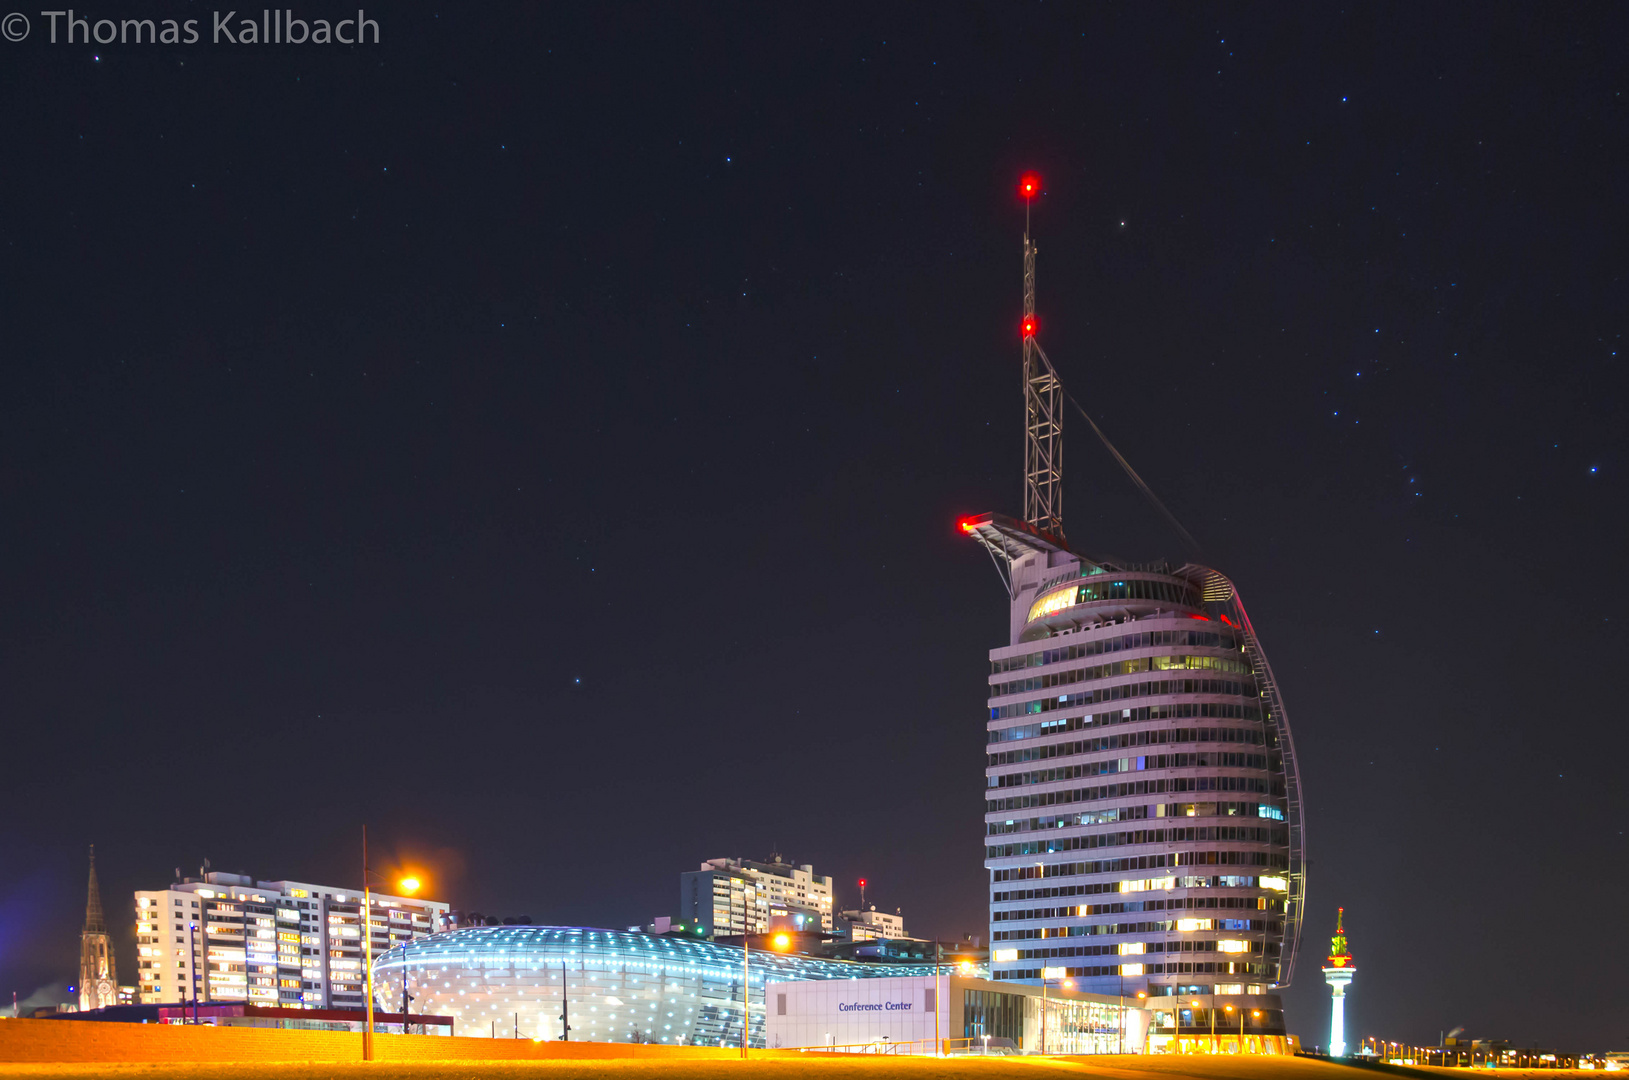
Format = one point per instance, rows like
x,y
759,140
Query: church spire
x,y
95,921
98,985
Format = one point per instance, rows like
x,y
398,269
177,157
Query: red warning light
x,y
1029,326
966,525
862,883
1029,185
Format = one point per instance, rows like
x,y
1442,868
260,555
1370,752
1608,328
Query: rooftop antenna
x,y
1043,402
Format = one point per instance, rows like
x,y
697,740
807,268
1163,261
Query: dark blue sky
x,y
539,435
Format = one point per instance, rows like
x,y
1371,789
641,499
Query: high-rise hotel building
x,y
1143,818
287,944
731,897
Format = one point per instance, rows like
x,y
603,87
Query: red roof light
x,y
1029,326
1029,185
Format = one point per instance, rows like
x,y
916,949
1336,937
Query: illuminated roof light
x,y
1029,185
1029,326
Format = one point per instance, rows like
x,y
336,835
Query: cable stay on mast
x,y
1142,485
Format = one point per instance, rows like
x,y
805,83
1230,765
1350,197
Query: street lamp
x,y
1229,1009
409,886
1063,984
1141,996
780,943
1212,1011
746,988
192,975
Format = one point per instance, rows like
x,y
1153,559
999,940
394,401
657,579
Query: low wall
x,y
93,1041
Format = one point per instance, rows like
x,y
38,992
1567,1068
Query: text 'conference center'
x,y
1143,817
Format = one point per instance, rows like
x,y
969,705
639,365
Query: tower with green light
x,y
1338,974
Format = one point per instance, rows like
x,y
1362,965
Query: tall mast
x,y
1043,401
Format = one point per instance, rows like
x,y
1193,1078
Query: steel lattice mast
x,y
1043,406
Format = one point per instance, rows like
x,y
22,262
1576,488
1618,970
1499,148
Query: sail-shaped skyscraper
x,y
1143,813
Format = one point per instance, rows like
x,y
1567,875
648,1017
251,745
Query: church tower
x,y
98,986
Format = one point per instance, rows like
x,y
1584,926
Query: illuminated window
x,y
1004,955
1131,969
1188,926
1232,945
1055,601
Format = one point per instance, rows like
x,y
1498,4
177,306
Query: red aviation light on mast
x,y
1029,326
1029,185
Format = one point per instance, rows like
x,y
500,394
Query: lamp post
x,y
1212,1011
1063,983
1229,1009
746,988
192,977
939,1000
406,997
407,885
367,950
243,921
565,1005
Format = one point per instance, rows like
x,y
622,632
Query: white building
x,y
731,897
289,944
869,925
949,1013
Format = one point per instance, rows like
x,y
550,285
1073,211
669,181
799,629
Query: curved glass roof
x,y
523,946
615,985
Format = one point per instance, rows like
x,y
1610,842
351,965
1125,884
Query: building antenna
x,y
1043,402
1044,397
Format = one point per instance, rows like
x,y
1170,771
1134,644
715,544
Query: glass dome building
x,y
617,986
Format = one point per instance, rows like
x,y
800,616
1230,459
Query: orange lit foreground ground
x,y
37,1048
868,1068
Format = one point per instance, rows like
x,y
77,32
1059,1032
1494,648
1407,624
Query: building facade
x,y
731,897
1143,818
869,925
285,944
949,1012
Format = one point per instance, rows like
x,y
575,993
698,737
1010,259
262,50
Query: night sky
x,y
539,436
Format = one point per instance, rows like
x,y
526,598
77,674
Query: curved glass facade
x,y
1190,854
508,981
